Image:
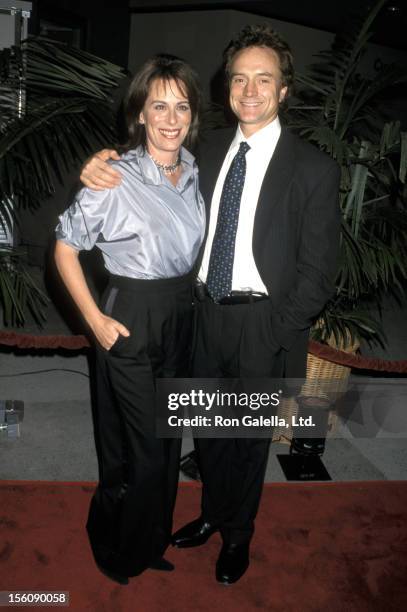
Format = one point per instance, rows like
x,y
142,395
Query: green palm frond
x,y
338,66
347,326
68,71
66,96
327,140
368,89
68,115
340,111
18,292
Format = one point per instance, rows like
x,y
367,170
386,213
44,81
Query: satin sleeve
x,y
83,223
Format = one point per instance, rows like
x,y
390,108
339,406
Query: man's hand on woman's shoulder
x,y
97,174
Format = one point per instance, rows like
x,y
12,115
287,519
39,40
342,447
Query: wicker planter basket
x,y
318,370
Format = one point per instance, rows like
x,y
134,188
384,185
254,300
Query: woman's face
x,y
167,117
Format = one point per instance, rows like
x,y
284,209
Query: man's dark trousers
x,y
231,341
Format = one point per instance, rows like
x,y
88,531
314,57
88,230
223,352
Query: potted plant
x,y
55,108
340,110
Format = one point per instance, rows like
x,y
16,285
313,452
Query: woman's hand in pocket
x,y
107,330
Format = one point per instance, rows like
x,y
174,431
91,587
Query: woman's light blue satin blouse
x,y
145,227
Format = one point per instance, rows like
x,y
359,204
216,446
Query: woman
x,y
149,229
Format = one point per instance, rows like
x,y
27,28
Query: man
x,y
267,271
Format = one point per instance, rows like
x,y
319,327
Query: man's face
x,y
255,88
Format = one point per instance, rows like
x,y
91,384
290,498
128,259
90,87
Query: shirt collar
x,y
149,171
260,140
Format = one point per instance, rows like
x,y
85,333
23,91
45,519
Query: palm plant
x,y
339,110
55,109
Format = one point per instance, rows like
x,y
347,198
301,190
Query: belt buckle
x,y
238,296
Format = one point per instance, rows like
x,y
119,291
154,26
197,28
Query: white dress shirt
x,y
262,145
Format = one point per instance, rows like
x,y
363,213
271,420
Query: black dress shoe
x,y
162,565
113,575
193,534
232,563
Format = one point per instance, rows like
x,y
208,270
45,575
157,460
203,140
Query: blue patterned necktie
x,y
220,270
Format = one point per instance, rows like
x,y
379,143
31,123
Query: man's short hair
x,y
262,36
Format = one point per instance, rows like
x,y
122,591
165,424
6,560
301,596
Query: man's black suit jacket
x,y
295,236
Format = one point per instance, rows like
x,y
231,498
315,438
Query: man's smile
x,y
250,103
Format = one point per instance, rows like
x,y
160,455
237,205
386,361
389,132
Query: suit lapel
x,y
211,156
275,183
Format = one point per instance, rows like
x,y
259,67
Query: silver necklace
x,y
167,169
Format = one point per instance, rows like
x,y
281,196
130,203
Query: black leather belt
x,y
235,297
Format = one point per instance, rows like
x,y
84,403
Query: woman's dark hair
x,y
166,68
262,36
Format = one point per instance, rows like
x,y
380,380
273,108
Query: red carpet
x,y
335,546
